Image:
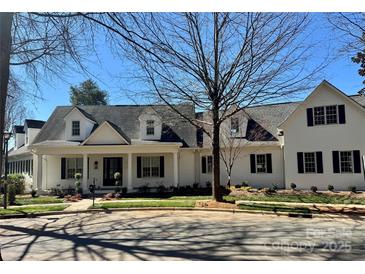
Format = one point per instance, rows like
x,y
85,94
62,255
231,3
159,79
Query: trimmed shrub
x,y
33,192
244,184
352,189
11,194
293,186
161,189
196,185
124,190
18,181
237,186
78,188
314,189
208,184
330,187
275,187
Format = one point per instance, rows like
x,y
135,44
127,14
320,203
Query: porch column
x,y
39,172
176,169
84,172
130,169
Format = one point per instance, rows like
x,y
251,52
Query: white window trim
x,y
265,163
144,159
315,163
325,115
72,128
352,161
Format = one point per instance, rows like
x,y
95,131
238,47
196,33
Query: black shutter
x,y
63,168
253,163
319,160
341,114
310,117
204,164
162,166
139,167
300,162
88,167
336,161
269,163
357,162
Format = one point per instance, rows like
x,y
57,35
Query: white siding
x,y
326,138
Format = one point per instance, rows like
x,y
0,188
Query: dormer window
x,y
234,125
150,127
75,128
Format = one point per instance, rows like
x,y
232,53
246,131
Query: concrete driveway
x,y
181,235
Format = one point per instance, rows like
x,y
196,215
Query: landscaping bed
x,y
297,196
32,209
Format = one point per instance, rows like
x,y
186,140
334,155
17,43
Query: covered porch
x,y
140,166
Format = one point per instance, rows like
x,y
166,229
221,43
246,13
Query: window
x,y
151,166
261,163
234,125
319,117
331,115
207,164
73,166
346,161
309,162
75,128
325,115
150,129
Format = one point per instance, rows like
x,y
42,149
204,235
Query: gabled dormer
x,y
150,125
19,136
32,128
78,124
107,134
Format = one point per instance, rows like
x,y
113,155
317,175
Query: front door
x,y
112,165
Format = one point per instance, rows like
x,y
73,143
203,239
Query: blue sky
x,y
113,74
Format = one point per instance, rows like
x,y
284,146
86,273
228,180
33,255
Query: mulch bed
x,y
214,204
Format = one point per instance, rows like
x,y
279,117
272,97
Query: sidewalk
x,y
84,204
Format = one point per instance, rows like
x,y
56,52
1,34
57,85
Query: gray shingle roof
x,y
125,117
34,123
271,116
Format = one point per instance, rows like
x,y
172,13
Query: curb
x,y
258,212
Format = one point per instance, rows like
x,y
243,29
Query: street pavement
x,y
181,235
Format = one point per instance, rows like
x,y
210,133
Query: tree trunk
x,y
216,157
5,44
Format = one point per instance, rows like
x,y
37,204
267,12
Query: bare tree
x,y
215,60
350,28
37,46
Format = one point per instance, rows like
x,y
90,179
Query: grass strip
x,y
32,209
162,203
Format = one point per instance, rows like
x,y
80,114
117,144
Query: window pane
x,y
309,162
234,125
75,128
210,163
261,163
319,115
331,114
150,130
346,161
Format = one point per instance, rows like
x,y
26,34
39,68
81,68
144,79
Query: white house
x,y
319,141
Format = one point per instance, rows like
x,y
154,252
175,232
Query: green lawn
x,y
24,200
192,198
275,208
147,203
300,198
32,209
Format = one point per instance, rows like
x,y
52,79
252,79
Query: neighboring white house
x,y
319,141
